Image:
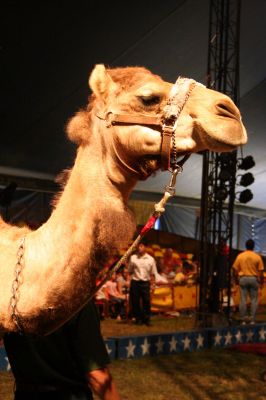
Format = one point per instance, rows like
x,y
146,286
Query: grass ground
x,y
203,375
207,375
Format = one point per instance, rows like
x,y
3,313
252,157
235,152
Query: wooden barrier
x,y
179,297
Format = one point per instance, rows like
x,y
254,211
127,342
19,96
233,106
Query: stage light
x,y
245,196
246,163
221,193
225,175
246,179
226,158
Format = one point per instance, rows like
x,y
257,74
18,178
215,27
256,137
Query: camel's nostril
x,y
227,109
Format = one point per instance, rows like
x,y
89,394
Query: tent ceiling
x,y
49,49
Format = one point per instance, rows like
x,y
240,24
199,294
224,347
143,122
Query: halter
x,y
167,121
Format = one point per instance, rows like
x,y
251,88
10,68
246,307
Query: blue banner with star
x,y
127,347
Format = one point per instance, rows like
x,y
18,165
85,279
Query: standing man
x,y
248,268
142,267
68,364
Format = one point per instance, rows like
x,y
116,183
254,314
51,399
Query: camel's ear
x,y
78,128
100,81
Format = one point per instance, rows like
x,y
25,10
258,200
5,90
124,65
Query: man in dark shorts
x,y
69,364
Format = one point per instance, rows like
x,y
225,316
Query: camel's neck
x,y
63,257
91,213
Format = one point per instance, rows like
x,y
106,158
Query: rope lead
x,y
158,210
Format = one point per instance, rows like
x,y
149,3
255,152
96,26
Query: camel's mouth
x,y
218,143
148,165
214,144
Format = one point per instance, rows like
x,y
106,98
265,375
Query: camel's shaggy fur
x,y
90,218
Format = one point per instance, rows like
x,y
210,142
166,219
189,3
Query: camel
x,y
57,264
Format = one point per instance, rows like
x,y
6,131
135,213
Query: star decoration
x,y
238,336
109,351
130,349
186,343
262,333
159,345
145,347
250,335
217,339
8,368
200,341
228,338
173,343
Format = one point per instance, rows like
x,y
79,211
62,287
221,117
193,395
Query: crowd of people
x,y
127,294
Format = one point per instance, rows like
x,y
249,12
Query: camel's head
x,y
129,104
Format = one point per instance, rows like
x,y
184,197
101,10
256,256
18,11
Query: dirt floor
x,y
160,323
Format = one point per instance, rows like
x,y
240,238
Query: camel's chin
x,y
148,165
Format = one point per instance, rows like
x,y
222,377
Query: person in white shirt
x,y
142,267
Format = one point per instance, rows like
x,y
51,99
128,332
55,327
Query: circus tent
x,y
49,50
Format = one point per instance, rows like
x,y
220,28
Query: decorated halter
x,y
167,122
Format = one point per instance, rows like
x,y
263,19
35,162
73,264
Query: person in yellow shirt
x,y
248,268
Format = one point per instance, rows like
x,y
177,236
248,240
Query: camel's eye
x,y
150,100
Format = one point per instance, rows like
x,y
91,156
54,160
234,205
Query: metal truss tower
x,y
219,170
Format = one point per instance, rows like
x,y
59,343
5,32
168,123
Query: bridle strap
x,y
166,149
139,119
179,95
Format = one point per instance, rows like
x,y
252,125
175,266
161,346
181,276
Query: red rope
x,y
146,228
